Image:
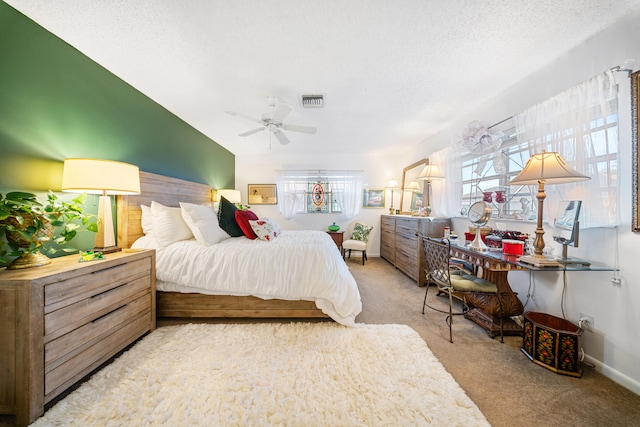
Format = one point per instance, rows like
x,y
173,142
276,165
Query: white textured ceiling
x,y
393,72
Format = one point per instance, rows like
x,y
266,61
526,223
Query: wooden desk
x,y
485,309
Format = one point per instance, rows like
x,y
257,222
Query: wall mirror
x,y
412,190
635,131
566,226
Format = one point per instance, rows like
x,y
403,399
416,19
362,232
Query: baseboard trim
x,y
614,375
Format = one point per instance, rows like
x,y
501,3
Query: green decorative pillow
x,y
361,232
227,218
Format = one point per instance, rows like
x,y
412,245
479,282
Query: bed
x,y
192,300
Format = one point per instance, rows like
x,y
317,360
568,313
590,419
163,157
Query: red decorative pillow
x,y
243,218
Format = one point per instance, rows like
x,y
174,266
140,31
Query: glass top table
x,y
497,259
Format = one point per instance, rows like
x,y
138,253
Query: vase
x,y
334,227
32,258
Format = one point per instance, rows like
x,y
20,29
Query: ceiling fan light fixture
x,y
312,101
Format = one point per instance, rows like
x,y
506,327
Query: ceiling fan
x,y
273,121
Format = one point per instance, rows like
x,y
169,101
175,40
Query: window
x,y
319,192
582,125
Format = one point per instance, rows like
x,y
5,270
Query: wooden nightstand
x,y
338,238
61,321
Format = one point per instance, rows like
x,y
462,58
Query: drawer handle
x,y
106,269
108,314
108,290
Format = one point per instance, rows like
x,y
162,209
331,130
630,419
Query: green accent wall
x,y
56,103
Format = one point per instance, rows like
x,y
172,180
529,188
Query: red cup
x,y
512,247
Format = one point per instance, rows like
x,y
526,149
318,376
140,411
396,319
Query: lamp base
x,y
107,250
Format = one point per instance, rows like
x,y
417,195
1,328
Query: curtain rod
x,y
500,122
626,67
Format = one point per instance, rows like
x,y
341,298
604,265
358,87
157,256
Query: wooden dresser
x,y
61,321
400,246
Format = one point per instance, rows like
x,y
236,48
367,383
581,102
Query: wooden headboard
x,y
159,188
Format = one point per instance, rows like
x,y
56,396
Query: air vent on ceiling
x,y
312,101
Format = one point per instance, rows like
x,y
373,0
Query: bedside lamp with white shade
x,y
104,177
392,186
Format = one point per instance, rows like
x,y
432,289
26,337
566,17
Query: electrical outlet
x,y
587,322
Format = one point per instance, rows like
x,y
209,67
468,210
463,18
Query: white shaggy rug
x,y
282,374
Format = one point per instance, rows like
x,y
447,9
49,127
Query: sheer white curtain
x,y
577,123
346,188
446,193
291,193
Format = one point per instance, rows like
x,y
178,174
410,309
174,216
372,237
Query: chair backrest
x,y
358,230
437,254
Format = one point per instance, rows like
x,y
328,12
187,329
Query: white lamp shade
x,y
393,184
231,195
96,176
414,187
548,167
430,172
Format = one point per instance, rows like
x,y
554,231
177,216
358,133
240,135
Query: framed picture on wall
x,y
373,198
262,194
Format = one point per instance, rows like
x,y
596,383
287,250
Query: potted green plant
x,y
28,224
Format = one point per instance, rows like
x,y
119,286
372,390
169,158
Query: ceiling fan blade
x,y
281,111
297,128
251,132
233,113
281,137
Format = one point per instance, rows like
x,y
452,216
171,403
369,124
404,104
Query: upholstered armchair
x,y
357,241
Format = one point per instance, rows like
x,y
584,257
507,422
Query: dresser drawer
x,y
387,252
388,223
74,369
69,291
407,264
407,226
66,347
66,319
407,244
387,238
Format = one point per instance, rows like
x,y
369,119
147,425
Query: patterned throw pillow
x,y
361,232
265,228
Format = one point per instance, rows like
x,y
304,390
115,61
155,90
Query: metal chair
x,y
453,280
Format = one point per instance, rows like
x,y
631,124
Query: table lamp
x,y
231,195
544,168
104,177
429,173
393,186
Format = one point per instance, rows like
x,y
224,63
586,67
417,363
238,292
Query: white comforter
x,y
298,265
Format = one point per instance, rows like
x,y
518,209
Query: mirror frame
x,y
635,101
422,163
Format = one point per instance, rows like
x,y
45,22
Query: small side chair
x,y
357,241
453,280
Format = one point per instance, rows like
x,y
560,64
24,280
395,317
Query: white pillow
x,y
203,222
168,225
146,221
145,242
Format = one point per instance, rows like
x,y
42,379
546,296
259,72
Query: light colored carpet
x,y
293,374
